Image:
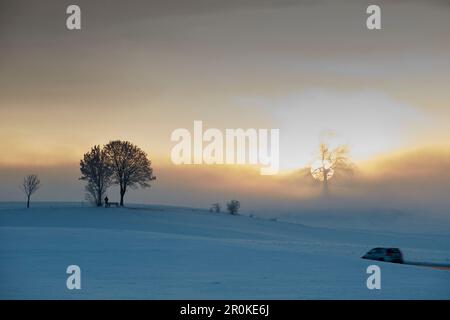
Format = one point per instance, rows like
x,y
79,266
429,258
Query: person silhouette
x,y
106,201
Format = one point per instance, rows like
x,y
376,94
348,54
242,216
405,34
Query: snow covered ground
x,y
160,252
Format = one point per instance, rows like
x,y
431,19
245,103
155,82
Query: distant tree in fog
x,y
233,207
30,185
215,207
329,162
96,170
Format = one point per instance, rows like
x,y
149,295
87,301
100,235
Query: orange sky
x,y
139,71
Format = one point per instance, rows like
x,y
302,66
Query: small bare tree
x,y
30,185
233,207
215,207
329,163
130,165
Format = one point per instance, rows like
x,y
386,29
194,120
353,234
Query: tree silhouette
x,y
130,165
233,206
329,163
30,185
96,170
215,207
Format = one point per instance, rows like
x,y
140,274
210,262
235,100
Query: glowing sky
x,y
140,69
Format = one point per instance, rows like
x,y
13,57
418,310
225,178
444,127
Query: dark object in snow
x,y
393,255
109,204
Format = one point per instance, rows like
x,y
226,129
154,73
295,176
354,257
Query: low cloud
x,y
417,180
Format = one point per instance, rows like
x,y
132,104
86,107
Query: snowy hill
x,y
376,219
160,252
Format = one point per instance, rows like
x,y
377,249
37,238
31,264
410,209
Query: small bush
x,y
233,207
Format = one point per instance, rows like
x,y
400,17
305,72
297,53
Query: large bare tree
x,y
96,170
130,165
30,185
331,161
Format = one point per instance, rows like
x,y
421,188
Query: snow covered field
x,y
159,252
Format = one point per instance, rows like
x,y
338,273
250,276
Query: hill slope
x,y
156,252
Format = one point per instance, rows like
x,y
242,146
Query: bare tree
x,y
215,207
30,185
96,170
93,196
131,166
233,207
329,163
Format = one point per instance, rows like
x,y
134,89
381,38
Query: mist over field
x,y
89,117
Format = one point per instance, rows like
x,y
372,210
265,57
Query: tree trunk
x,y
99,198
122,194
28,201
325,184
